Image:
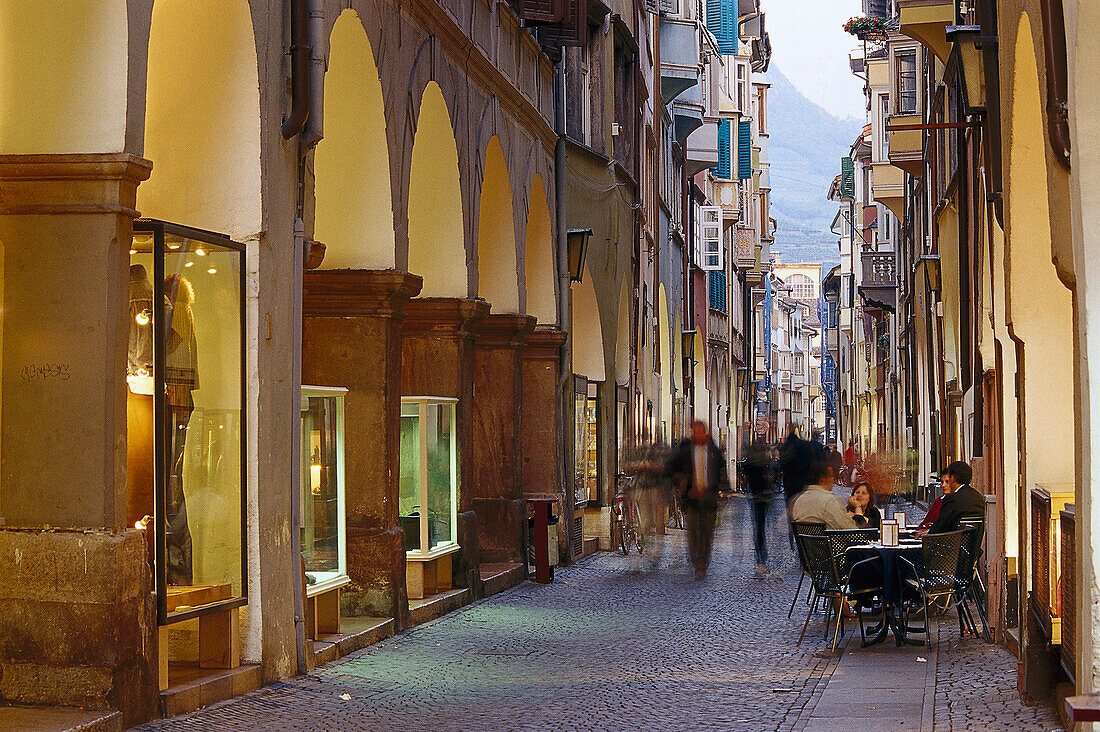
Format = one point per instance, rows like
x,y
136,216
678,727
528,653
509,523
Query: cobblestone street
x,y
615,645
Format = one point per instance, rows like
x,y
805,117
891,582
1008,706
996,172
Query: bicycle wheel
x,y
622,539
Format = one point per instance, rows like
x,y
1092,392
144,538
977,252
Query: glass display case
x,y
185,424
429,475
322,492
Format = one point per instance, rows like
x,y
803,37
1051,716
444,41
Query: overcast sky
x,y
811,48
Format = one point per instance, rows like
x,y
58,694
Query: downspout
x,y
315,123
295,122
991,67
293,125
298,569
1054,49
565,302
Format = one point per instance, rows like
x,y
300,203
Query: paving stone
x,y
615,643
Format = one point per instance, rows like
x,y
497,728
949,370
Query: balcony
x,y
744,248
907,146
680,61
879,285
888,188
926,21
701,151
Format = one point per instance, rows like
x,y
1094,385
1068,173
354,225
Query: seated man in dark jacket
x,y
959,500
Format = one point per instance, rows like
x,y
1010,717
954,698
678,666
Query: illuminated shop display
x,y
185,423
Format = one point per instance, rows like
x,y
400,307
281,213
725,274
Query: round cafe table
x,y
891,580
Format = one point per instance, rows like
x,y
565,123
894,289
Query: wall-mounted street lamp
x,y
932,276
687,340
969,41
577,243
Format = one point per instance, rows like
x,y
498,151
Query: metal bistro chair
x,y
803,528
938,578
970,582
841,539
824,572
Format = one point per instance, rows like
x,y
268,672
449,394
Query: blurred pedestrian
x,y
649,492
760,488
699,469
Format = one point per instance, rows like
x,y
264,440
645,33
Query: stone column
x,y
65,228
542,425
496,488
437,359
351,338
80,616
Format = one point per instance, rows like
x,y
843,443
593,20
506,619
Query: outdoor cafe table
x,y
891,579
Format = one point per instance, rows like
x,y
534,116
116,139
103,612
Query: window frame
x,y
161,438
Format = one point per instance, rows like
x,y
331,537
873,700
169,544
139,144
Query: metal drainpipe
x,y
299,60
565,303
315,129
295,450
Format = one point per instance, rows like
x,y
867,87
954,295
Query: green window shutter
x,y
744,149
847,178
722,170
716,290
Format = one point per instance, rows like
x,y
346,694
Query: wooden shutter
x,y
744,149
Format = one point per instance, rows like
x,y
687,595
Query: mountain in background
x,y
805,146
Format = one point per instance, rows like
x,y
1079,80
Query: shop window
x,y
185,424
322,494
429,475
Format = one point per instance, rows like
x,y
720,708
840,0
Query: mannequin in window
x,y
180,380
139,398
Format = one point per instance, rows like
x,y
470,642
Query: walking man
x,y
699,471
760,487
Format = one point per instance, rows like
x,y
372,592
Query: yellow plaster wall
x,y
665,356
496,238
539,269
202,116
354,210
63,74
622,336
948,247
437,250
587,330
1039,306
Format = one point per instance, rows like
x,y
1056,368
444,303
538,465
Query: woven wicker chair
x,y
969,585
824,572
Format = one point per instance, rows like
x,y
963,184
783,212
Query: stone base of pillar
x,y
80,621
376,567
502,529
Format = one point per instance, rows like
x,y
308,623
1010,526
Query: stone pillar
x,y
437,359
65,228
351,338
78,606
542,425
496,487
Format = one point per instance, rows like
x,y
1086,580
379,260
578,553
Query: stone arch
x,y
699,380
587,328
437,250
1040,310
63,76
622,334
202,117
354,215
540,272
496,234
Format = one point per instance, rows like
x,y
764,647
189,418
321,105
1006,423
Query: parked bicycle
x,y
626,516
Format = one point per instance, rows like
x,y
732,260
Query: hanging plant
x,y
869,26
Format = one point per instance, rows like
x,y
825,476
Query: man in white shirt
x,y
818,504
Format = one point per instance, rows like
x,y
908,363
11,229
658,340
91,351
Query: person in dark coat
x,y
960,499
760,488
698,469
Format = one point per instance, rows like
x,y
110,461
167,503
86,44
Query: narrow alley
x,y
613,645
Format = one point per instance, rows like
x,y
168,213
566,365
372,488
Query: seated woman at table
x,y
861,506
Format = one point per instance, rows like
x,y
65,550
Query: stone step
x,y
430,608
203,687
357,633
500,577
58,719
591,545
